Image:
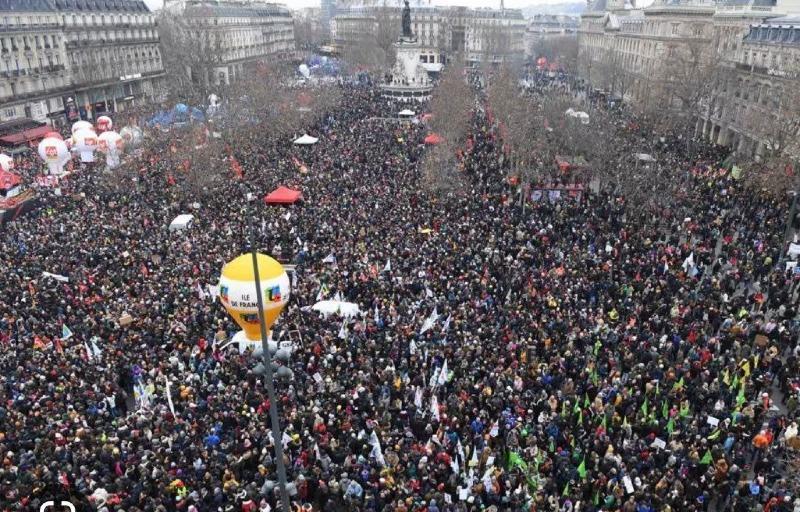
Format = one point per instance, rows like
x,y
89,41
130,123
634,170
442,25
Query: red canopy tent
x,y
283,195
433,139
8,180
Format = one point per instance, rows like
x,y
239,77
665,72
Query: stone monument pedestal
x,y
409,79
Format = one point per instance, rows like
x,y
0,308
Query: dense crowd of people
x,y
561,357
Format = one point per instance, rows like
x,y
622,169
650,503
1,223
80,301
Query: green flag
x,y
665,409
707,459
565,492
597,346
740,399
644,406
582,469
515,461
577,408
596,498
714,435
735,381
552,446
586,402
580,417
670,425
684,411
605,422
678,385
563,408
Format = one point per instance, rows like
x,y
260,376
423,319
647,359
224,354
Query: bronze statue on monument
x,y
407,33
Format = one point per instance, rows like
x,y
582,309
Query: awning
x,y
283,195
8,180
26,135
306,140
433,139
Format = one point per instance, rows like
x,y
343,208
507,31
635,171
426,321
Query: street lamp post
x,y
277,433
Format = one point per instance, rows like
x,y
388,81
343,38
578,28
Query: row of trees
x,y
452,104
694,82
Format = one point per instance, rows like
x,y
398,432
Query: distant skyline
x,y
511,4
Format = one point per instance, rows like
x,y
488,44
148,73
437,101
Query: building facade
x,y
477,35
241,34
757,105
717,64
544,27
63,58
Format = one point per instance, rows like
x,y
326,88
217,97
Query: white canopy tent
x,y
181,222
306,140
337,307
583,117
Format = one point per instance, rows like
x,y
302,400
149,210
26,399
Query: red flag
x,y
236,168
170,180
58,346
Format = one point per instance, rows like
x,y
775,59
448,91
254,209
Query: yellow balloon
x,y
237,290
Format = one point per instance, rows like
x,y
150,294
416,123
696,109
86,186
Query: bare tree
x,y
776,123
684,84
309,34
561,50
520,126
451,105
190,57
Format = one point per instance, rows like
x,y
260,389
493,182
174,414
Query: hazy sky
x,y
155,4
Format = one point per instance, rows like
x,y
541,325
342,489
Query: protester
x,y
561,358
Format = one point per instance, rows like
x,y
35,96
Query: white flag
x,y
454,465
435,407
200,292
412,347
460,451
213,292
688,262
377,452
88,351
430,321
442,380
377,317
343,331
434,377
487,478
169,399
388,266
323,291
329,259
95,349
418,398
428,293
446,326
